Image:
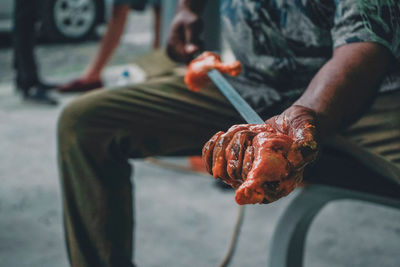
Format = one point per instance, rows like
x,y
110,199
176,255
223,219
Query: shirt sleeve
x,y
367,21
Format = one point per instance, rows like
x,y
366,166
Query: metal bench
x,y
344,171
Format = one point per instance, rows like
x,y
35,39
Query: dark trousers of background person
x,y
25,14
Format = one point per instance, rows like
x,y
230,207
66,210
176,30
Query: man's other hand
x,y
184,39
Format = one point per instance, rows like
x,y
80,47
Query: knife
x,y
234,98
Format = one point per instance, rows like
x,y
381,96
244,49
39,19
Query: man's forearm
x,y
196,6
346,85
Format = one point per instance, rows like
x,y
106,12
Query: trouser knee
x,y
73,124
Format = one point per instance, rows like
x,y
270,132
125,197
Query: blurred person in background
x,y
28,82
91,79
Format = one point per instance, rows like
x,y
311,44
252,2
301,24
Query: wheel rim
x,y
74,18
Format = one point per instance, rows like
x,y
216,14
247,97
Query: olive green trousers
x,y
101,130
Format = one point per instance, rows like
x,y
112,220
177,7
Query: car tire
x,y
69,20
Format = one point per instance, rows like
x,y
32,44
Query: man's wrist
x,y
302,123
318,119
299,115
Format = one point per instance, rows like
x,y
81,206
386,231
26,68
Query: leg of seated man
x,y
97,134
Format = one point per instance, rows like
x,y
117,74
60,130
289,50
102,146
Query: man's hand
x,y
264,161
184,39
196,76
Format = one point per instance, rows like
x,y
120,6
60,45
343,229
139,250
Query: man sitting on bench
x,y
318,62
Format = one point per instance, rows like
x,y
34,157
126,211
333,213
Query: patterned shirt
x,y
283,43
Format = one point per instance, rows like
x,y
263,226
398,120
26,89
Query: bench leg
x,y
287,246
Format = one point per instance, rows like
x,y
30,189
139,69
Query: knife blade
x,y
234,98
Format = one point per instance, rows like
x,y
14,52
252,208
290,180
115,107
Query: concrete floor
x,y
182,218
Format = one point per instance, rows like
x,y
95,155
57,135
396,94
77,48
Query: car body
x,y
62,19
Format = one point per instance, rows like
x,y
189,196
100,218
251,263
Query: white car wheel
x,y
74,18
70,19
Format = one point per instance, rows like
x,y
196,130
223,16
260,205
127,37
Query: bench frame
x,y
288,241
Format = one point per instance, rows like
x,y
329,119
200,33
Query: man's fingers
x,y
235,153
247,162
295,158
176,43
208,149
258,128
248,156
249,192
192,32
255,190
219,160
184,40
275,190
193,42
269,162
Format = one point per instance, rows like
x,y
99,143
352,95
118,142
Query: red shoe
x,y
79,86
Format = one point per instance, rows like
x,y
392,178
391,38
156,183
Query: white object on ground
x,y
123,75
